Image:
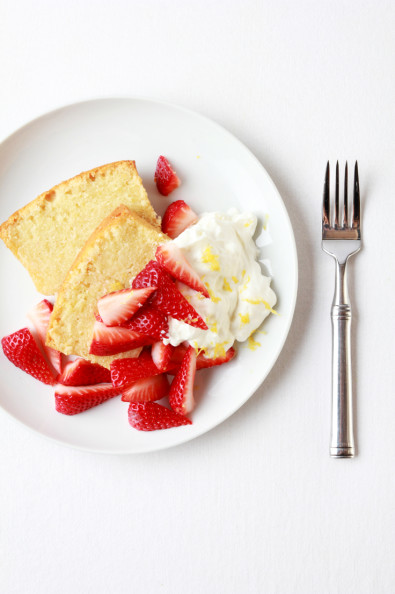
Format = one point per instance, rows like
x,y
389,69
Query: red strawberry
x,y
181,389
161,354
147,389
202,361
71,400
152,275
166,178
171,258
167,297
118,307
111,340
83,373
39,316
127,371
152,416
21,349
177,218
150,322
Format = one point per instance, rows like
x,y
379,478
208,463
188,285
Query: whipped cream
x,y
221,249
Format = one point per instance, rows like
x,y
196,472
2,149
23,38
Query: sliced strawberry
x,y
22,350
171,258
181,390
152,416
166,178
111,340
202,361
161,354
39,316
147,389
167,297
150,322
83,373
71,400
118,307
177,218
152,275
127,371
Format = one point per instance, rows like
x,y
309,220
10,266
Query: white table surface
x,y
256,505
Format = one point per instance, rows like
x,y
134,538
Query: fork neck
x,y
341,290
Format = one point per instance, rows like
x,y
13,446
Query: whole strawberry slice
x,y
161,354
39,316
83,373
177,218
127,371
111,340
167,297
71,400
202,362
118,307
171,258
150,322
166,178
21,349
181,390
152,416
147,389
152,275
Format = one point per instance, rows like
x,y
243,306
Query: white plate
x,y
217,171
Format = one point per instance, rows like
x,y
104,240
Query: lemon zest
x,y
235,279
209,258
219,349
254,301
245,318
226,286
252,343
273,311
213,297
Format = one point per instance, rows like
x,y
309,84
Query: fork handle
x,y
342,433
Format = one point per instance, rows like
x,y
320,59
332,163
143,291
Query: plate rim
x,y
251,155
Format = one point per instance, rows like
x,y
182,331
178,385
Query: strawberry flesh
x,y
118,307
166,178
167,297
22,350
71,400
161,354
115,339
83,373
150,322
39,316
181,390
127,371
152,416
178,217
147,389
171,258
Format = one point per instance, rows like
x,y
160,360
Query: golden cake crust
x,y
112,256
48,233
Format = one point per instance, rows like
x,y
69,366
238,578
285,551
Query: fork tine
x,y
337,196
326,203
356,203
345,210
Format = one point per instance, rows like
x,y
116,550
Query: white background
x,y
256,505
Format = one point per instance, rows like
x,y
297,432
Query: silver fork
x,y
341,240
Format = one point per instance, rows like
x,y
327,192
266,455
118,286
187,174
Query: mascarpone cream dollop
x,y
221,249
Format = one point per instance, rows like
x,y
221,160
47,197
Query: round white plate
x,y
217,172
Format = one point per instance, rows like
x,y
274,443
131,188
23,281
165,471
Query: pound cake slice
x,y
116,251
47,234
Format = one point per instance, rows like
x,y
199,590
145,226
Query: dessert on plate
x,y
139,305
